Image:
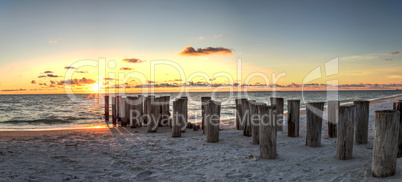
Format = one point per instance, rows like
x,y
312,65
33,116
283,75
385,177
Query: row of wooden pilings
x,y
347,123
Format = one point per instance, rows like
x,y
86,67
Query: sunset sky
x,y
42,41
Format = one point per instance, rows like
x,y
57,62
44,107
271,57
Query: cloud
x,y
217,36
33,81
126,68
14,90
201,37
149,81
395,52
190,51
388,59
358,58
53,76
108,78
82,81
48,72
132,60
70,67
81,71
41,76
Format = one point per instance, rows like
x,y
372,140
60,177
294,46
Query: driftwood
x,y
314,123
278,103
398,107
213,112
361,125
293,118
332,118
267,132
385,150
345,129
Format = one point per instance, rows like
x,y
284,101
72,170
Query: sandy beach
x,y
126,154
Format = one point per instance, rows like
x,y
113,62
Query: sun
x,y
96,87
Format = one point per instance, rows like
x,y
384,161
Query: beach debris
x,y
72,144
58,156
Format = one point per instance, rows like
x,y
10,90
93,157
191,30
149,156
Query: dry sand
x,y
125,154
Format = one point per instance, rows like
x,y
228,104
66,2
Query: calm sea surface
x,y
35,112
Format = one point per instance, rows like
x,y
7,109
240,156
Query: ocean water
x,y
43,112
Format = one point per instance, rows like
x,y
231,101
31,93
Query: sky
x,y
47,46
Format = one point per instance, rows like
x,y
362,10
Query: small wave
x,y
38,121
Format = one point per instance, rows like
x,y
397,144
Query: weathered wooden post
x,y
246,117
213,113
127,108
345,129
314,123
141,109
114,111
278,103
155,113
238,114
184,126
204,102
385,149
293,118
165,113
118,108
106,107
267,132
178,117
147,108
255,123
398,107
332,117
362,117
122,112
247,126
134,111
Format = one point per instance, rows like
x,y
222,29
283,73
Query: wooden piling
x,y
314,123
293,118
134,111
345,129
141,109
255,123
122,111
361,123
178,117
127,111
147,108
114,111
246,117
204,102
106,108
385,149
247,126
332,118
267,132
183,128
238,114
155,115
398,107
165,110
118,109
213,112
278,103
